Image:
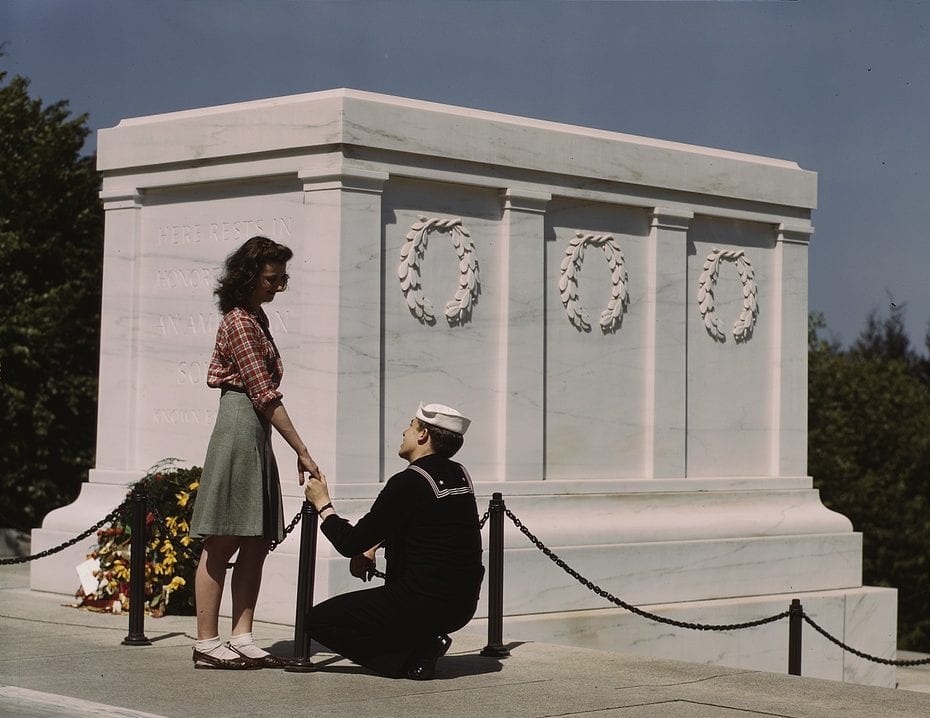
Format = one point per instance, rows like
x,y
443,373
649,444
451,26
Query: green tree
x,y
51,246
885,339
869,454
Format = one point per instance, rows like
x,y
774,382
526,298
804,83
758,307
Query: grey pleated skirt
x,y
240,491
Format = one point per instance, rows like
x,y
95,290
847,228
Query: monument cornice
x,y
287,168
795,233
381,122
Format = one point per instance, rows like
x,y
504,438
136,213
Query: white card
x,y
85,572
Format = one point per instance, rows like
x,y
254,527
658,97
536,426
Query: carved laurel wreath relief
x,y
458,309
744,324
612,316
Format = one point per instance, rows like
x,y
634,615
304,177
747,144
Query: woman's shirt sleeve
x,y
245,358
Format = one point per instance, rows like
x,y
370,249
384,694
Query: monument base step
x,y
864,618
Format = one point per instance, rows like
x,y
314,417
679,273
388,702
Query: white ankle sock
x,y
214,647
246,645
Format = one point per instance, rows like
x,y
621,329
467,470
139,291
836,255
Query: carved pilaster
x,y
789,342
116,403
666,344
522,391
340,287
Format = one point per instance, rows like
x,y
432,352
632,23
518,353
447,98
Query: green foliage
x,y
51,248
869,454
171,555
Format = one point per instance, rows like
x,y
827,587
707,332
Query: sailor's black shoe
x,y
423,665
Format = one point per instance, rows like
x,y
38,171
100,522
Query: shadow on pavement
x,y
449,666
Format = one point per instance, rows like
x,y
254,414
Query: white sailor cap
x,y
445,417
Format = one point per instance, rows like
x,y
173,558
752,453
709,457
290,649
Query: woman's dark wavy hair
x,y
243,268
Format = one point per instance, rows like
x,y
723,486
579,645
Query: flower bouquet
x,y
171,555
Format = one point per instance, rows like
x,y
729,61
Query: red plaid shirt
x,y
246,357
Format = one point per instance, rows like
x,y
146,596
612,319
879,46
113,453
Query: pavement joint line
x,y
735,708
672,701
686,683
64,623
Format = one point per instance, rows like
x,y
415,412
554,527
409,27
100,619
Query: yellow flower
x,y
182,498
175,584
193,485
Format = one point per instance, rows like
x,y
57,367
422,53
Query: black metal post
x,y
795,623
495,647
137,546
305,575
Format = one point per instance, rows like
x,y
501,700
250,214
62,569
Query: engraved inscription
x,y
186,278
174,416
225,231
188,324
192,372
180,234
200,323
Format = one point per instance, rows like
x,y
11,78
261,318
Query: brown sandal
x,y
267,661
240,663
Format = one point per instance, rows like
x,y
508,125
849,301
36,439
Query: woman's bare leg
x,y
246,582
209,580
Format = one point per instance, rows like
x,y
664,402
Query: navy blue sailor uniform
x,y
426,518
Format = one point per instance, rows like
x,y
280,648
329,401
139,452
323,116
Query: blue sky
x,y
841,87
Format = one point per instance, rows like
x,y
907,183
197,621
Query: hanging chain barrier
x,y
118,511
885,661
122,510
794,611
287,531
623,604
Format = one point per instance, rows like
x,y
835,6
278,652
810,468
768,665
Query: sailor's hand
x,y
363,566
317,492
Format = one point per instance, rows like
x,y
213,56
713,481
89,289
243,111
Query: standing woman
x,y
238,505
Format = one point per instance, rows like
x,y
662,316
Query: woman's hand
x,y
306,464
